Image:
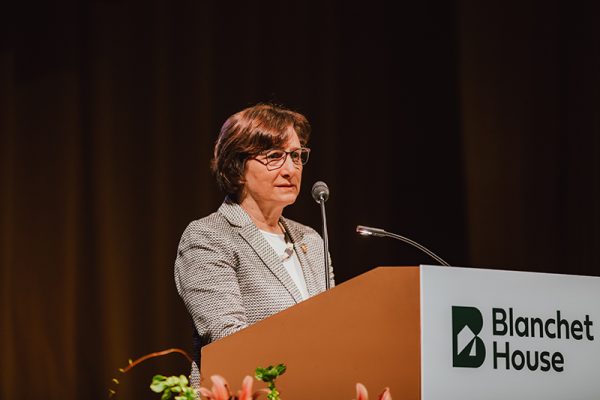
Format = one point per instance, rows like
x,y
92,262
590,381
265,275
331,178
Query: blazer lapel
x,y
301,249
236,216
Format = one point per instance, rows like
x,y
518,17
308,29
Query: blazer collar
x,y
237,217
235,214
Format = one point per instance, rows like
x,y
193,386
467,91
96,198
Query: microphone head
x,y
369,231
320,191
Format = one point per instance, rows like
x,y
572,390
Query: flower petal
x,y
206,393
246,392
259,392
385,395
361,392
220,388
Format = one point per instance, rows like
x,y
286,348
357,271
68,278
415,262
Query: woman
x,y
246,262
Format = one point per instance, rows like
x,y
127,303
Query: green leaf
x,y
259,374
183,381
273,395
188,394
158,383
166,395
280,369
270,373
171,386
172,381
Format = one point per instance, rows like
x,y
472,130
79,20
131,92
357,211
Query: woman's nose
x,y
288,166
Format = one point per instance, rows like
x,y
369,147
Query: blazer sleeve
x,y
206,279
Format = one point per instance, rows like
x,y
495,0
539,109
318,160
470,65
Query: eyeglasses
x,y
275,158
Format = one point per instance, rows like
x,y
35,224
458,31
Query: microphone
x,y
320,192
378,232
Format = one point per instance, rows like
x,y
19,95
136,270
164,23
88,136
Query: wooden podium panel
x,y
365,330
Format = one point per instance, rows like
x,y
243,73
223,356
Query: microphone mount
x,y
378,232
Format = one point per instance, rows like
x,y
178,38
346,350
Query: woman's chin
x,y
287,199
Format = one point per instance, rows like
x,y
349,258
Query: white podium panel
x,y
489,334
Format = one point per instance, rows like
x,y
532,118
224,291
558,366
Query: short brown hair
x,y
247,133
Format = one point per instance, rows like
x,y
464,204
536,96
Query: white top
x,y
291,264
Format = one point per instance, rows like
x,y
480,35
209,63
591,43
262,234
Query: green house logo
x,y
468,349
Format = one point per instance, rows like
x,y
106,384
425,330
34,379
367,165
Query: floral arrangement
x,y
178,387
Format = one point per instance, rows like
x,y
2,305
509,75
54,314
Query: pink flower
x,y
219,391
362,394
246,392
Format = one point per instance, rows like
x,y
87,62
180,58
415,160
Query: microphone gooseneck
x,y
320,193
378,232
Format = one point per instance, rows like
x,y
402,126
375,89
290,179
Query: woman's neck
x,y
265,218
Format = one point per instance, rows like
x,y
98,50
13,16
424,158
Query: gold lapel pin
x,y
304,248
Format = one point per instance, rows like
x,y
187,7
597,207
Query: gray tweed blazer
x,y
229,276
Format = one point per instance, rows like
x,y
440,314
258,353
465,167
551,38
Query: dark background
x,y
471,127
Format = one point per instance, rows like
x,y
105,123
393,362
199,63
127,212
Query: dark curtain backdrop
x,y
470,127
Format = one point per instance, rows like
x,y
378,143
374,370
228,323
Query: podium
x,y
429,333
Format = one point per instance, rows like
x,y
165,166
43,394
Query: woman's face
x,y
276,188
